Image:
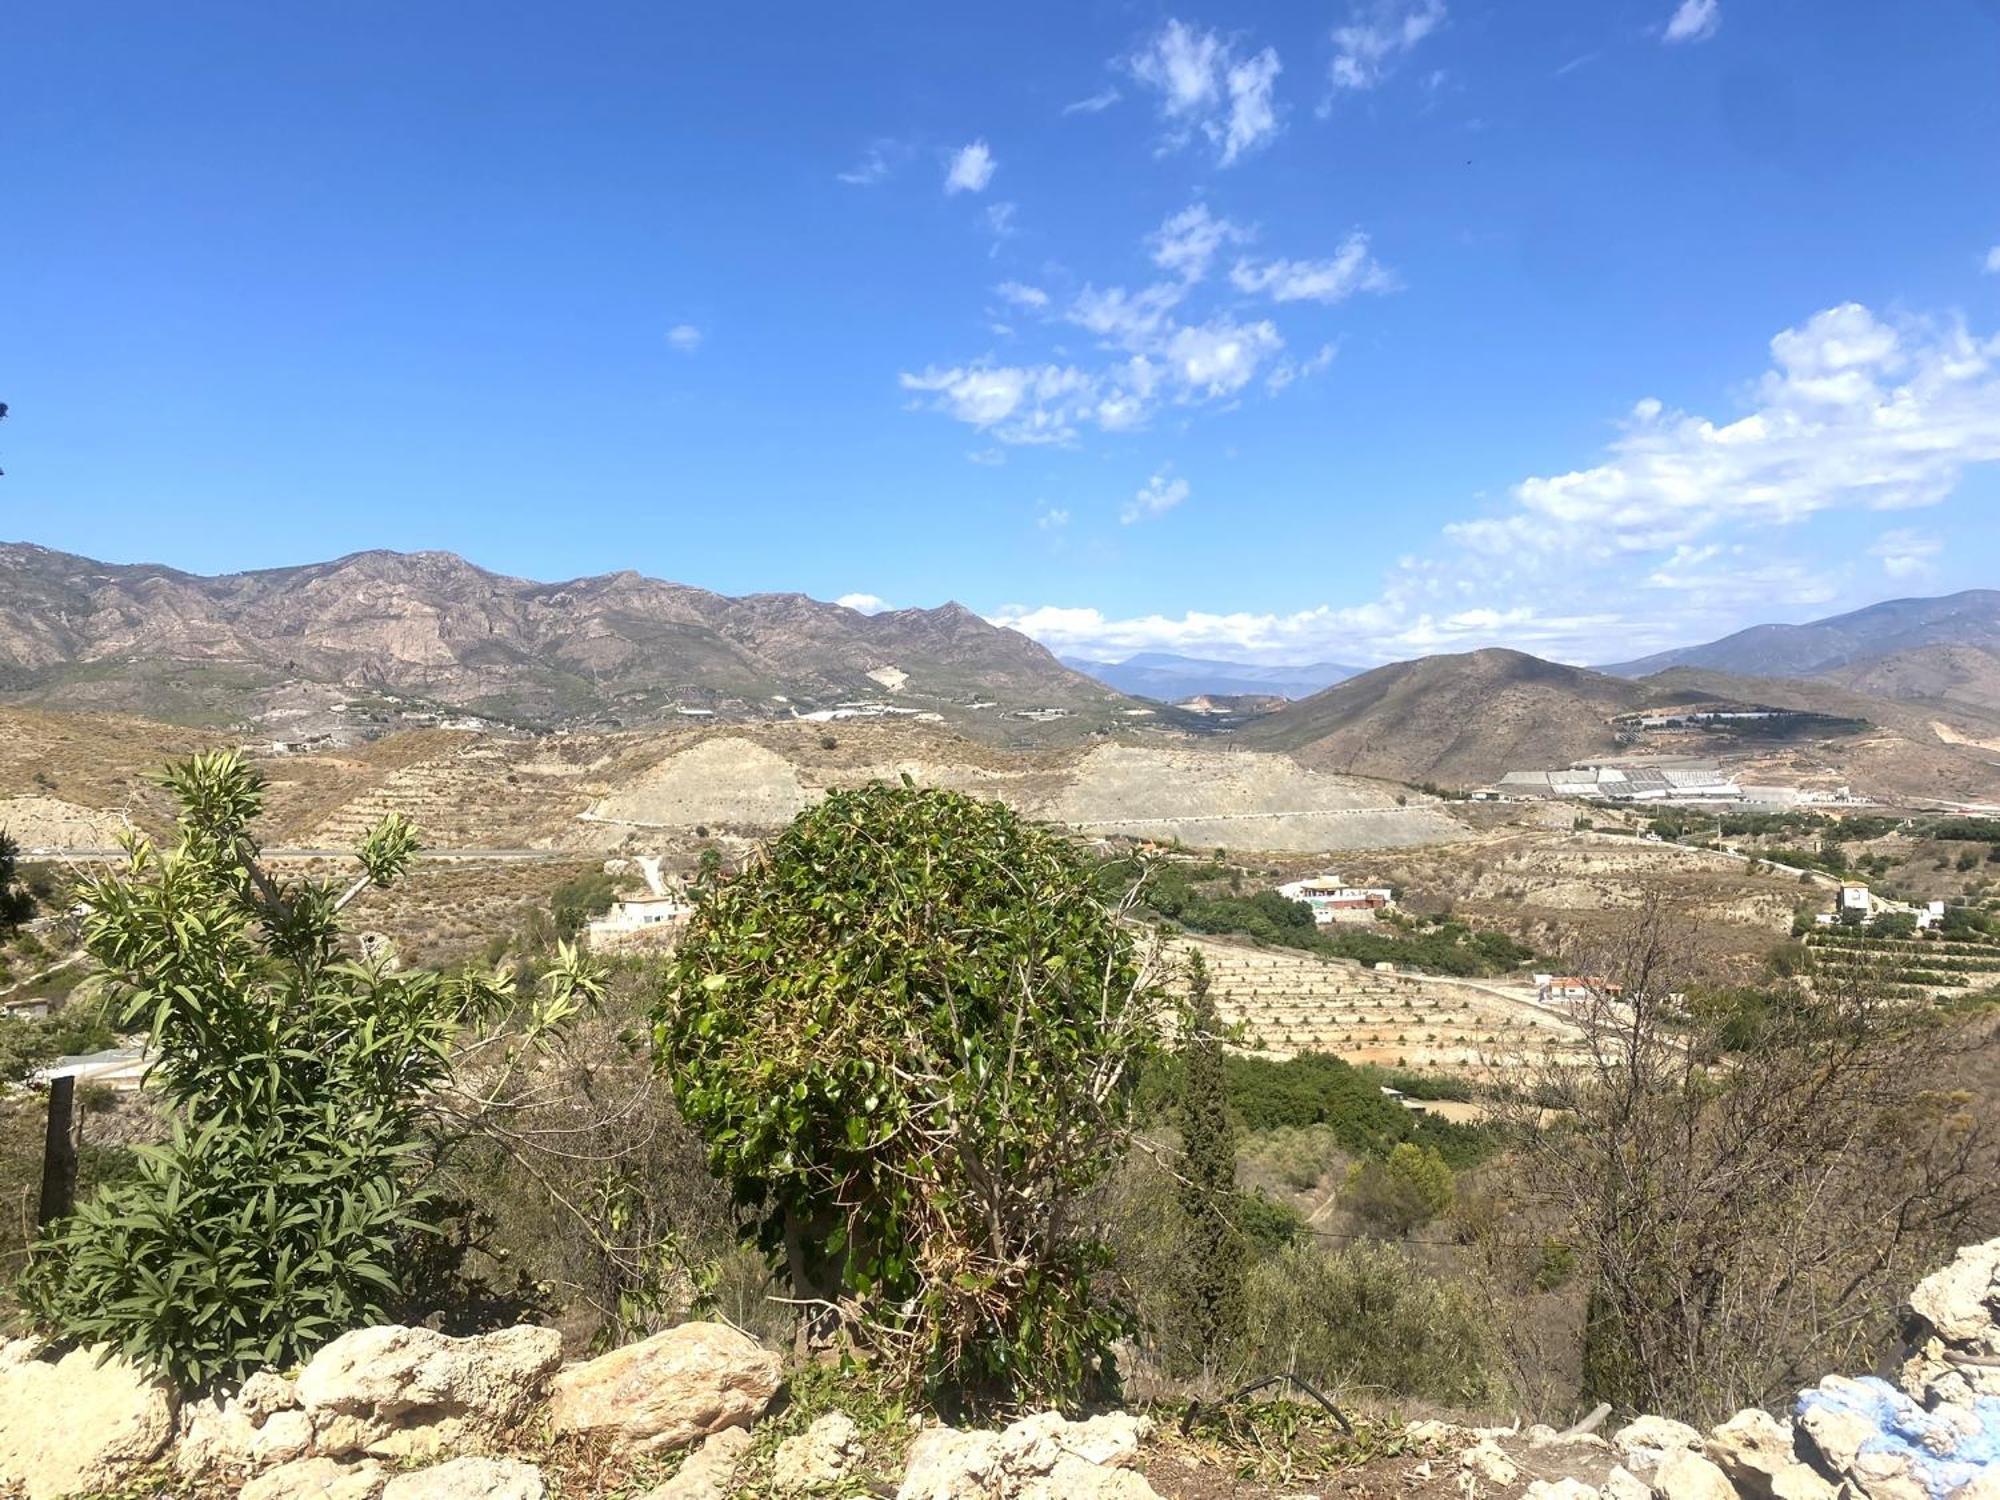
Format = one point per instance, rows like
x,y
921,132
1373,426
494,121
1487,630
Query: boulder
x,y
1882,1445
818,1458
317,1479
1688,1476
1644,1443
470,1479
667,1391
1040,1457
1622,1484
1561,1489
1962,1301
709,1472
261,1425
1751,1448
397,1392
80,1424
947,1464
1489,1461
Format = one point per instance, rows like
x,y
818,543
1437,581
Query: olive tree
x,y
296,1077
909,1034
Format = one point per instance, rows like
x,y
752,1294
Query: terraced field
x,y
1290,1002
1912,968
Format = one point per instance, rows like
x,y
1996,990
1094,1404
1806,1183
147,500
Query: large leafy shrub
x,y
909,1034
295,1076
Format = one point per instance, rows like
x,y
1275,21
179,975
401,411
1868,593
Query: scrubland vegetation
x,y
915,1088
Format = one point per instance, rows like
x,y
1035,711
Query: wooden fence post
x,y
59,1153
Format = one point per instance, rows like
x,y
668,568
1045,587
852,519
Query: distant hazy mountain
x,y
431,627
1971,618
1171,678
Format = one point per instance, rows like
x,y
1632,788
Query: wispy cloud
x,y
1156,497
684,337
877,163
1351,269
1097,103
1152,349
1378,35
1693,21
867,604
970,169
1186,243
1206,88
1993,261
1856,413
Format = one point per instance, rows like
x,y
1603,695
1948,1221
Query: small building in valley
x,y
1333,899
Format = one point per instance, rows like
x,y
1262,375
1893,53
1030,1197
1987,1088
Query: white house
x,y
1332,898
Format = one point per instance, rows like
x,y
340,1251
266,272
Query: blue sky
x,y
1279,331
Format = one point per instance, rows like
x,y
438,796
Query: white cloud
x,y
1993,261
1694,21
1097,103
1155,498
1021,295
684,337
1205,87
1378,35
1051,518
1856,413
970,169
1187,241
1352,269
867,604
1906,553
1000,220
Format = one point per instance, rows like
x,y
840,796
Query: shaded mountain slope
x,y
1970,618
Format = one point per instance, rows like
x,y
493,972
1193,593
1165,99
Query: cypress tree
x,y
1213,1252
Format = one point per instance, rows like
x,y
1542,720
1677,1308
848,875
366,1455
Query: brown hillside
x,y
1957,676
1460,720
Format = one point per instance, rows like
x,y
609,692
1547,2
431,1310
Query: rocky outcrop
x,y
1042,1457
1957,1351
83,1423
394,1392
667,1391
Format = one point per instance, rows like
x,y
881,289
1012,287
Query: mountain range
x,y
1819,647
1172,679
431,629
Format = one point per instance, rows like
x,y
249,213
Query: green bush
x,y
1411,1187
909,1034
294,1078
1366,1315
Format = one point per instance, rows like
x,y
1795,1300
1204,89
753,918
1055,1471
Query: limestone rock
x,y
1486,1459
1962,1301
1688,1476
399,1392
1645,1443
470,1479
1040,1457
1884,1446
709,1470
947,1464
1622,1484
667,1391
317,1479
261,1425
1752,1447
82,1423
818,1458
1561,1489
